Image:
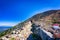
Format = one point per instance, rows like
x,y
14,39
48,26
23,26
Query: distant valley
x,y
3,28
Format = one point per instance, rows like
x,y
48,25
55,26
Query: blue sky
x,y
15,11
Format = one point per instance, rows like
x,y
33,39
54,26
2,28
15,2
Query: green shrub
x,y
12,39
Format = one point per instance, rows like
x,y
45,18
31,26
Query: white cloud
x,y
8,23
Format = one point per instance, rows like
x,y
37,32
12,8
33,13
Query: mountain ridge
x,y
45,19
40,15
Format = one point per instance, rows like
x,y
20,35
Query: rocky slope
x,y
23,29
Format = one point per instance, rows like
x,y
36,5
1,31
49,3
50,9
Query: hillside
x,y
52,15
45,19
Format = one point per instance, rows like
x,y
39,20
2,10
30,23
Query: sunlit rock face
x,y
26,30
20,34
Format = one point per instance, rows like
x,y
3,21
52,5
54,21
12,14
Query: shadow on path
x,y
33,36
